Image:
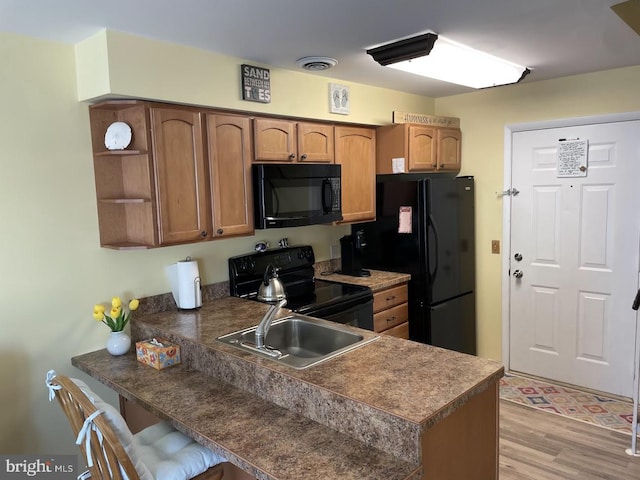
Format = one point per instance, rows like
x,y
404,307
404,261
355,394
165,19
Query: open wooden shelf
x,y
124,178
127,246
123,200
118,153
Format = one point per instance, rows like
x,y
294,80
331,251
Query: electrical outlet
x,y
495,246
335,251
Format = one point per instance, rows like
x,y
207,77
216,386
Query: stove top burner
x,y
305,294
323,294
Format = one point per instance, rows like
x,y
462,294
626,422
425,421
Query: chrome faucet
x,y
265,323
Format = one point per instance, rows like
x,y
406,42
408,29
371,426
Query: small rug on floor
x,y
579,405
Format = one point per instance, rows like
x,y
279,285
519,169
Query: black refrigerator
x,y
425,227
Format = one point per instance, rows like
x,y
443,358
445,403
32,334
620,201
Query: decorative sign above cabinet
x,y
422,119
256,84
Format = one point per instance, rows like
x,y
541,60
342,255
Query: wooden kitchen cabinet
x,y
448,149
125,188
355,151
184,178
423,148
315,143
391,311
289,141
230,153
178,152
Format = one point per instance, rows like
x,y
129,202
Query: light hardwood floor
x,y
535,445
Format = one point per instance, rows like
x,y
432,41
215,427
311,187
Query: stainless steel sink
x,y
300,341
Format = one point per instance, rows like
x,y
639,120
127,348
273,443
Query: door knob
x,y
517,257
518,274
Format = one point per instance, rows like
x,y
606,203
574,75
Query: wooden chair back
x,y
108,456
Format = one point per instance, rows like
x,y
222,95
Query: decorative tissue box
x,y
158,353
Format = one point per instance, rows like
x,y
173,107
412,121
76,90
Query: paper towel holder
x,y
185,281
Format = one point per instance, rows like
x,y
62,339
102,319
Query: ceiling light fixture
x,y
436,57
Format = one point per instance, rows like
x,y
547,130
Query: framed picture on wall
x,y
339,99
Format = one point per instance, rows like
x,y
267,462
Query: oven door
x,y
355,313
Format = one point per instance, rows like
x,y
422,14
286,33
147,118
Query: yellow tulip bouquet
x,y
117,318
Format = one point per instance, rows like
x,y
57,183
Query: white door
x,y
570,312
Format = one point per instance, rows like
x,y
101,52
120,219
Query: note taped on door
x,y
572,158
405,220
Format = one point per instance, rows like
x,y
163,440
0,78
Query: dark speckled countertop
x,y
358,416
378,280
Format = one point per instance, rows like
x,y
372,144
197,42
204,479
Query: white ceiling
x,y
554,38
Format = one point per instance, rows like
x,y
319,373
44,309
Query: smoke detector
x,y
316,63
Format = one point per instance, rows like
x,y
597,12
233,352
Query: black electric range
x,y
339,302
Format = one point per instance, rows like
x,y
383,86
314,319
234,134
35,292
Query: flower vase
x,y
118,343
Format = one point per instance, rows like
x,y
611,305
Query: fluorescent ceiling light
x,y
436,57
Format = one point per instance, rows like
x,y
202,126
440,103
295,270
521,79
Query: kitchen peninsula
x,y
392,409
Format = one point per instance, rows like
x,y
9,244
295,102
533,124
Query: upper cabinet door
x,y
180,175
449,145
356,152
315,143
422,148
230,154
417,148
275,140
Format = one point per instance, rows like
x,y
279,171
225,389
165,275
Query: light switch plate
x,y
495,246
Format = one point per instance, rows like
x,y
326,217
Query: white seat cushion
x,y
158,452
171,455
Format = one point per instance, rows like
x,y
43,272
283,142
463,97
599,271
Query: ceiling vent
x,y
316,63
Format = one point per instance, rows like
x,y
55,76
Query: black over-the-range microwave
x,y
293,195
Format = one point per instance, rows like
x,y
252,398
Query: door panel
x,y
386,248
451,237
355,150
230,153
579,237
181,185
453,324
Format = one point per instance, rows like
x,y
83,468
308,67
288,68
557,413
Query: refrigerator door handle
x,y
440,306
433,226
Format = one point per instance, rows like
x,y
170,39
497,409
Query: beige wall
x,y
484,115
115,63
52,270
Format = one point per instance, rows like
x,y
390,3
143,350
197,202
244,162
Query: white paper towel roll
x,y
184,279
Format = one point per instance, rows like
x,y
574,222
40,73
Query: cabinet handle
x,y
220,231
434,165
391,319
203,233
292,156
303,157
391,298
442,165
